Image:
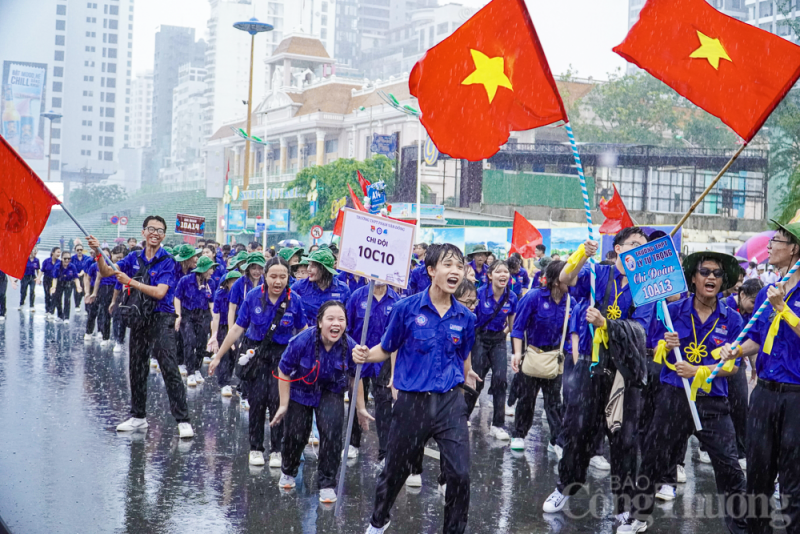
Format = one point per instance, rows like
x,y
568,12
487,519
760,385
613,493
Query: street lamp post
x,y
253,27
51,116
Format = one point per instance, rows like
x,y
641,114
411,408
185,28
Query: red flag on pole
x,y
337,226
356,203
363,182
524,237
616,214
25,204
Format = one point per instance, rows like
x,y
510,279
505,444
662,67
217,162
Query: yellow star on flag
x,y
710,49
489,73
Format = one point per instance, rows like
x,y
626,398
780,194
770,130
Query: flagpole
x,y
708,190
85,233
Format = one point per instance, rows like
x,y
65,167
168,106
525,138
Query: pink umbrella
x,y
756,247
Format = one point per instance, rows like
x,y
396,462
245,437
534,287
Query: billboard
x,y
190,225
23,95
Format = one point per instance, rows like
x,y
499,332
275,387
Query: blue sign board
x,y
377,197
654,271
260,227
383,144
237,220
278,220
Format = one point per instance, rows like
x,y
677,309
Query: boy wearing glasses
x,y
154,334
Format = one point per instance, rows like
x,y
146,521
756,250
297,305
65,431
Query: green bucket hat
x,y
168,250
730,266
233,275
287,253
241,257
793,228
477,249
255,258
204,263
543,263
324,257
185,252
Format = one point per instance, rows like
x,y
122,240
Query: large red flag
x,y
363,182
729,68
356,203
488,78
337,226
25,204
616,213
524,237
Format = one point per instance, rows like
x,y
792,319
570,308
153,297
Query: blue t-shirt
x,y
219,274
378,318
721,327
66,274
93,271
31,267
782,364
487,305
50,267
314,297
309,376
239,290
257,313
582,291
162,273
537,280
418,280
578,325
350,281
541,318
221,296
192,296
480,276
82,264
519,281
431,350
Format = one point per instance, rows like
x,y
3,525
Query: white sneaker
x,y
632,526
274,459
327,495
743,463
555,502
377,530
599,462
478,403
244,404
510,411
182,369
313,440
185,430
103,343
256,458
227,391
191,381
132,425
57,320
352,453
777,493
206,360
346,396
622,518
681,478
153,362
666,493
559,452
414,481
65,321
87,337
286,482
544,415
704,457
499,433
199,378
118,349
2,318
517,444
443,489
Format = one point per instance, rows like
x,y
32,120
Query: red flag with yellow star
x,y
490,77
731,69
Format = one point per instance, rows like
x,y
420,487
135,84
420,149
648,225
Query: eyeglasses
x,y
773,241
78,250
631,244
154,230
705,271
469,303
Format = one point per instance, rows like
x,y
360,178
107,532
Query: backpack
x,y
135,307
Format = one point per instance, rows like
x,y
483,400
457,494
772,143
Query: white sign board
x,y
376,247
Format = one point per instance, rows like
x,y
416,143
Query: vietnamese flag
x,y
488,78
363,182
25,204
337,226
731,69
524,237
356,203
616,214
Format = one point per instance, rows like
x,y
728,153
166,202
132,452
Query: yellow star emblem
x,y
489,73
710,49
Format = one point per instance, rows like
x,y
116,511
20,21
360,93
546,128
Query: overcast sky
x,y
580,33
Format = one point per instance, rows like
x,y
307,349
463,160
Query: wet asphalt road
x,y
63,468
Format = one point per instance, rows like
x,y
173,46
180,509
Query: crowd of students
x,y
279,331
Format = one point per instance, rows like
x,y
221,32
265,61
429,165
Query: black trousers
x,y
92,311
49,305
78,295
264,393
101,304
416,417
671,427
227,362
195,328
584,412
118,328
383,415
737,398
489,352
179,350
155,338
28,285
62,300
571,384
773,426
297,428
528,390
3,289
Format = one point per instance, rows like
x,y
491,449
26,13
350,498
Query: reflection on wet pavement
x,y
64,468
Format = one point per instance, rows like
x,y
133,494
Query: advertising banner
x,y
278,220
237,220
23,95
190,225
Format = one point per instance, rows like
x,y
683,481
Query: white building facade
x,y
142,110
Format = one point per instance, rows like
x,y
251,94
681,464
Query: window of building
x,y
430,36
324,20
57,102
61,10
86,123
88,93
59,56
113,24
58,72
55,133
61,25
109,156
441,28
323,33
112,38
91,20
114,10
86,152
57,87
90,49
88,78
109,141
55,149
110,97
112,67
331,146
110,127
109,112
112,53
765,8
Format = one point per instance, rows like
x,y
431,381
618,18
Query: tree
x,y
783,132
92,197
332,180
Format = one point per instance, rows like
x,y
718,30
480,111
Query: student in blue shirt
x,y
376,376
321,284
477,260
270,304
253,271
703,326
185,260
773,424
352,281
99,294
155,334
49,272
433,335
520,282
292,257
497,304
219,330
313,376
30,279
194,299
418,280
66,277
81,262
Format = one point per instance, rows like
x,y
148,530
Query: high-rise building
x,y
774,16
142,110
188,103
